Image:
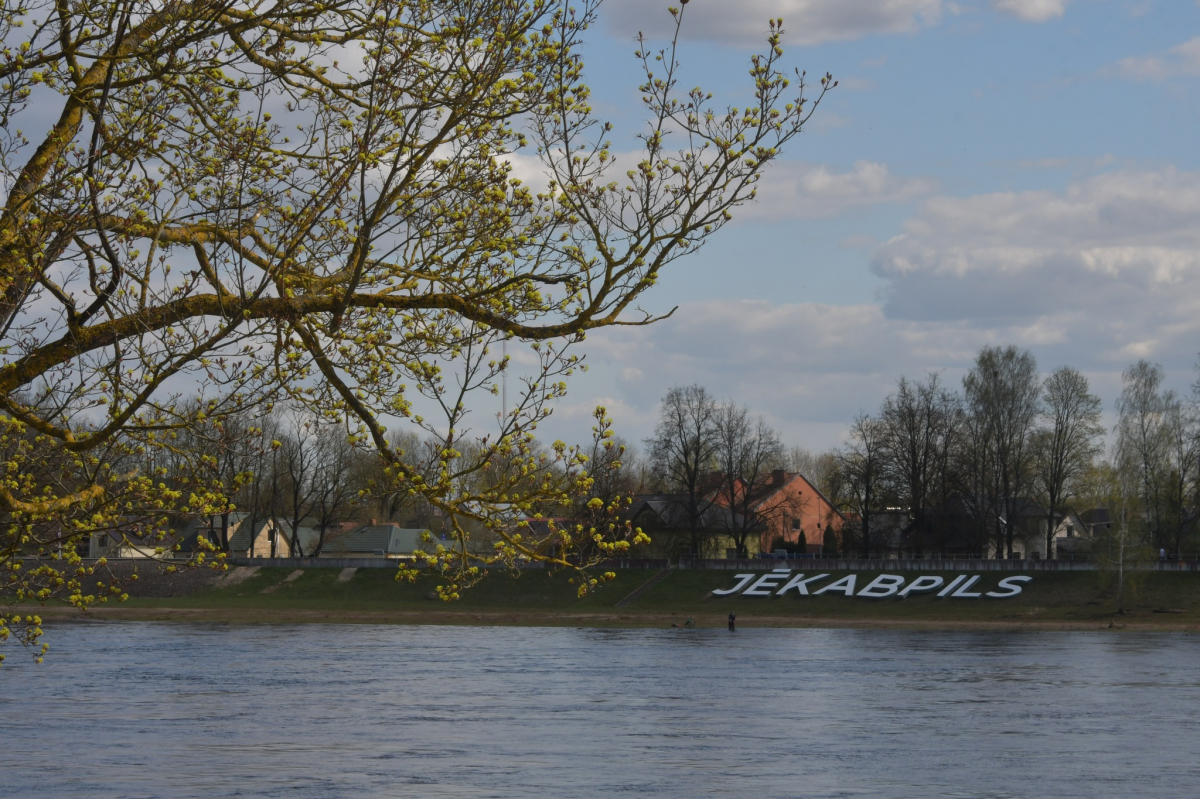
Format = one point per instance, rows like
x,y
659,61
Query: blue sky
x,y
1020,171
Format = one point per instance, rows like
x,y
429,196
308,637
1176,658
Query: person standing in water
x,y
732,621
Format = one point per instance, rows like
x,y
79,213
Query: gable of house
x,y
793,505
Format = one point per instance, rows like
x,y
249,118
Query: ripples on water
x,y
174,710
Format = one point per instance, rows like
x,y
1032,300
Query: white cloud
x,y
744,22
788,190
802,365
796,190
1183,59
1110,263
1096,275
1033,10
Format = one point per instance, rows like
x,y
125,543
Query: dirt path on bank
x,y
525,618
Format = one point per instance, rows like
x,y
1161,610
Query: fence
x,y
946,563
923,564
392,563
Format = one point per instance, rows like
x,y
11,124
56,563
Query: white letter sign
x,y
1008,584
767,583
962,592
742,580
882,586
922,585
842,586
800,583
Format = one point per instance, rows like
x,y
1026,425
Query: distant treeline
x,y
973,469
935,469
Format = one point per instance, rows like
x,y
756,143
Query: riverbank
x,y
1050,601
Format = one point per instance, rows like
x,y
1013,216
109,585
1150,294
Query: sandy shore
x,y
560,619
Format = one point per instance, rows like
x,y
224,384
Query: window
x,y
795,524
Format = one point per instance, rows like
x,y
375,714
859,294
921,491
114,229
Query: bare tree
x,y
1123,545
919,422
1003,392
259,495
1157,439
1067,442
747,451
819,468
335,488
863,466
298,465
684,452
1181,428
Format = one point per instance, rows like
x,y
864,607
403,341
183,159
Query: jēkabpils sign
x,y
781,582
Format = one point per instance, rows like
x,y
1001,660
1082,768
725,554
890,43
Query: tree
x,y
1066,444
1123,545
614,465
334,484
747,450
819,468
863,467
299,469
829,542
1157,436
684,453
388,500
238,201
1002,393
918,424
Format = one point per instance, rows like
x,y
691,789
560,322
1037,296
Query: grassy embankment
x,y
1063,600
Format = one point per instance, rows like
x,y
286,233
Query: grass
x,y
1164,600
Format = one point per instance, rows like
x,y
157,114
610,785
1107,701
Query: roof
x,y
672,511
792,477
1095,516
390,539
365,538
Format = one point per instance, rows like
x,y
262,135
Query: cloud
x,y
788,190
1032,10
797,190
809,368
744,22
1096,275
1110,266
800,364
1183,59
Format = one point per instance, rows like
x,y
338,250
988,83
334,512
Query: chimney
x,y
779,477
374,522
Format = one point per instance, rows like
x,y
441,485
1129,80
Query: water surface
x,y
178,710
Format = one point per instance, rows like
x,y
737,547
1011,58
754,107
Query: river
x,y
179,710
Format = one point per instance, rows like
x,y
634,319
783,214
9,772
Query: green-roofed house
x,y
388,540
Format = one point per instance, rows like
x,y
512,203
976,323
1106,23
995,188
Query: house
x,y
374,540
1096,521
667,518
125,544
784,506
1029,530
249,535
790,505
888,528
1072,537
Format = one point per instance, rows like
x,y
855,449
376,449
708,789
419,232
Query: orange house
x,y
791,505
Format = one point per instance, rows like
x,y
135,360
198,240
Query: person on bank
x,y
732,621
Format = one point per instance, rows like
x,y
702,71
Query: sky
x,y
986,172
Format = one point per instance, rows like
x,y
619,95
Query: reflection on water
x,y
173,710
